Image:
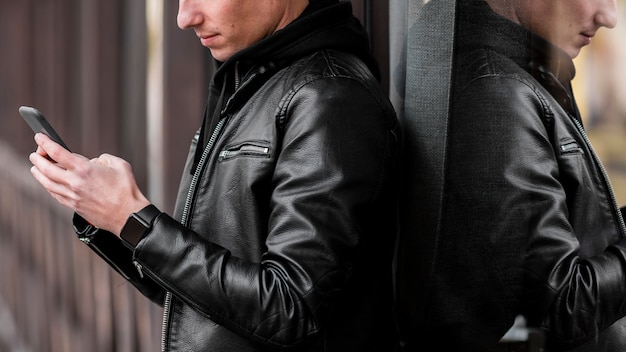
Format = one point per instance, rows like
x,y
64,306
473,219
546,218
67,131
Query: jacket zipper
x,y
192,188
607,182
616,208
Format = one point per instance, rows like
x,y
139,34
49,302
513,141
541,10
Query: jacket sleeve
x,y
514,221
334,162
111,249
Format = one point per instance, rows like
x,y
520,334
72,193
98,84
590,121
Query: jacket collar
x,y
527,49
548,64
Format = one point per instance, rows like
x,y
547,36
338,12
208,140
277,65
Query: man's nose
x,y
607,13
188,16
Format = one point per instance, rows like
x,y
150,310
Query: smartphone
x,y
38,123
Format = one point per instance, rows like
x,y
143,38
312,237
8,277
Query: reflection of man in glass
x,y
529,222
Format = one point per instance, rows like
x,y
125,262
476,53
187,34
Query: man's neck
x,y
505,8
293,10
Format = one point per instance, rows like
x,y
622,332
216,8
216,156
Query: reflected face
x,y
568,24
228,26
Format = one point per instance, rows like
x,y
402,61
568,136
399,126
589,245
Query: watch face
x,y
133,231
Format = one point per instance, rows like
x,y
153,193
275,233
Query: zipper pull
x,y
139,268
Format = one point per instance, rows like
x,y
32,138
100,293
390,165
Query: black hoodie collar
x,y
323,25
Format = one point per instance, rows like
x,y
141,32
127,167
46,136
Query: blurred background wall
x,y
111,76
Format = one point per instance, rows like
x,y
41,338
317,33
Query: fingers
x,y
103,190
109,160
46,167
51,164
46,146
48,174
114,162
41,152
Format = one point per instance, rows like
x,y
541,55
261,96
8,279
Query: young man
x,y
529,224
283,232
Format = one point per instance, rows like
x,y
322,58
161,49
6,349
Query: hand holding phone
x,y
38,123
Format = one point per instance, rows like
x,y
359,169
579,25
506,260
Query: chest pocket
x,y
253,149
570,146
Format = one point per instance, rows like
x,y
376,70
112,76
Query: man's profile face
x,y
568,24
228,26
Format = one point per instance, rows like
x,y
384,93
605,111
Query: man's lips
x,y
586,37
588,34
208,39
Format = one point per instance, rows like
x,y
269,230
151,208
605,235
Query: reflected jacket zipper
x,y
607,181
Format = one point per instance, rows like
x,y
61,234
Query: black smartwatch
x,y
138,224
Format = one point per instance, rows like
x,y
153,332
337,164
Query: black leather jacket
x,y
284,229
529,223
